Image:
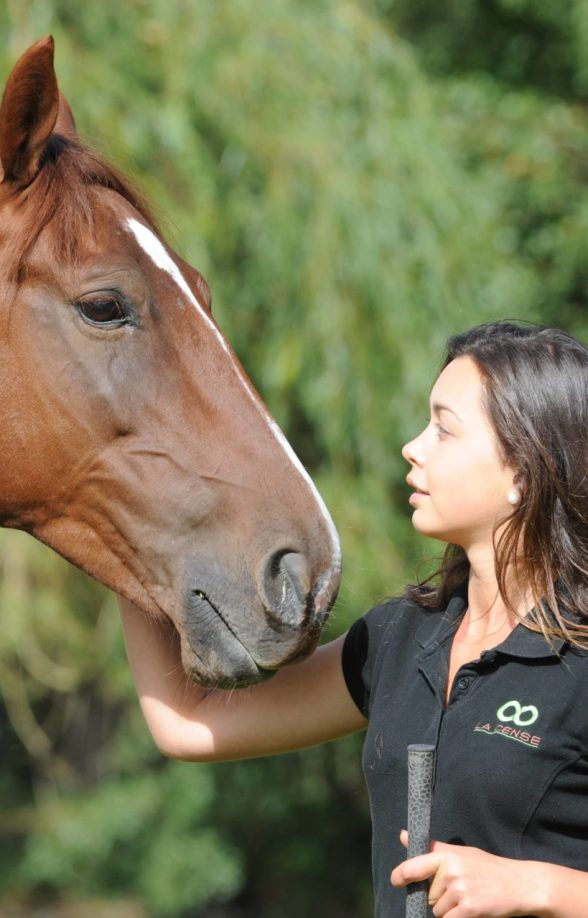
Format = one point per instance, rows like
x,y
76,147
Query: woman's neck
x,y
487,613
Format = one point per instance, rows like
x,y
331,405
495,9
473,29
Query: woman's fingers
x,y
416,869
470,882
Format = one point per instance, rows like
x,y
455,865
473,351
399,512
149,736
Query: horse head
x,y
132,441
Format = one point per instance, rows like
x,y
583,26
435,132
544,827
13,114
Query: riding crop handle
x,y
421,760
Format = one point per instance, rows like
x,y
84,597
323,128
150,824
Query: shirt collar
x,y
437,626
521,642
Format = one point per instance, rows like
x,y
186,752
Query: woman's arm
x,y
302,705
470,883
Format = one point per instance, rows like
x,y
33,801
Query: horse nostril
x,y
285,583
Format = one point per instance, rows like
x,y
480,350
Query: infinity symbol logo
x,y
522,716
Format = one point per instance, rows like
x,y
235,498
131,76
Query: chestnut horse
x,y
132,441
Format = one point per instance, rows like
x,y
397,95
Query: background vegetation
x,y
356,180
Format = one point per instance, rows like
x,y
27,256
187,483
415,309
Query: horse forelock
x,y
62,199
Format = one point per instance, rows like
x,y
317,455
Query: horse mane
x,y
62,194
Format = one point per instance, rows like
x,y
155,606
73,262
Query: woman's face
x,y
461,485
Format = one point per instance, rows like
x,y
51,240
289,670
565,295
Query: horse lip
x,y
199,594
264,671
236,652
247,670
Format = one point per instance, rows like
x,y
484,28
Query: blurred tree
x,y
541,44
356,181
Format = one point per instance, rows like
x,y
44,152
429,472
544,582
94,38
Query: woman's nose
x,y
413,452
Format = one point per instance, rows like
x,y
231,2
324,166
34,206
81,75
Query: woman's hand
x,y
471,883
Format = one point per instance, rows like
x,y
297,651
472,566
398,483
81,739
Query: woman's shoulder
x,y
389,624
383,636
396,624
399,612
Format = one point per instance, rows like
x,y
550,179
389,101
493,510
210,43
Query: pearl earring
x,y
514,498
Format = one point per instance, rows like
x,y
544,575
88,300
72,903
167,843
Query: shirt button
x,y
462,683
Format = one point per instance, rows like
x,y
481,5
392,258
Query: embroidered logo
x,y
521,716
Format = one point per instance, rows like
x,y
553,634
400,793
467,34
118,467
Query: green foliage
x,y
538,43
356,181
136,832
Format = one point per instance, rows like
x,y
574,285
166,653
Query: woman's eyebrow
x,y
436,407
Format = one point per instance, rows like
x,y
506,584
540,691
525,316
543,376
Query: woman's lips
x,y
417,494
412,484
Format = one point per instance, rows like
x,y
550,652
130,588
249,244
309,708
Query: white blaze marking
x,y
155,249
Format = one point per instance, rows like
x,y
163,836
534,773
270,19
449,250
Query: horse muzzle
x,y
236,635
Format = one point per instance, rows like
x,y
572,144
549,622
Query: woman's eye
x,y
102,310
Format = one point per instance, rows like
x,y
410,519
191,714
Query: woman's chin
x,y
429,528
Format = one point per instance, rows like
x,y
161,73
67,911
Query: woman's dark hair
x,y
535,383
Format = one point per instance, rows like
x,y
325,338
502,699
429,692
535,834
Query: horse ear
x,y
28,113
65,123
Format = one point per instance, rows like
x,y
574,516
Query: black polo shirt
x,y
512,744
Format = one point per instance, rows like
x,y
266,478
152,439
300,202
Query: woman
x,y
490,663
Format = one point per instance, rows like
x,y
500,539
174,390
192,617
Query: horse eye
x,y
102,310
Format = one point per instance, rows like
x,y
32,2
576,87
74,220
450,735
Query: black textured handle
x,y
421,761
